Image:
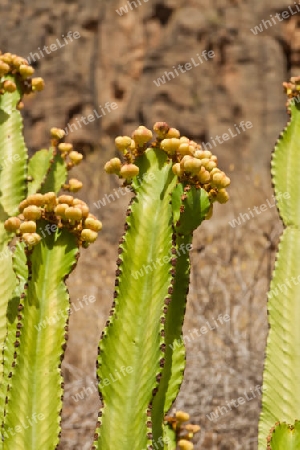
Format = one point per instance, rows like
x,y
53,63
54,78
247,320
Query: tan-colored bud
x,y
73,213
36,199
68,199
214,158
199,154
113,166
192,428
215,170
184,148
31,239
176,169
84,208
89,235
60,209
65,147
222,196
182,416
203,176
205,162
4,68
210,165
161,129
28,227
183,444
93,224
123,142
207,154
12,224
184,139
20,105
26,71
38,84
57,133
75,185
17,61
23,205
50,197
173,133
220,180
75,157
170,146
7,58
192,165
129,171
32,212
9,86
142,135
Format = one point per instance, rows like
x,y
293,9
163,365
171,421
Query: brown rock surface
x,y
117,59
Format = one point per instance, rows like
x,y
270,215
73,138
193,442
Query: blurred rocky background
x,y
117,58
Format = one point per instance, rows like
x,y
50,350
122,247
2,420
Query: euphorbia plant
x,y
175,183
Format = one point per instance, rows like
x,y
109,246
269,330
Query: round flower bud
x,y
23,205
7,57
192,165
75,185
65,147
220,180
214,158
170,146
203,176
183,444
181,416
68,199
210,165
57,133
176,169
142,135
50,197
32,212
28,227
31,239
38,84
222,196
73,213
4,68
123,142
89,235
26,71
173,133
161,129
129,171
199,154
12,224
113,166
60,209
20,105
75,157
184,148
50,201
92,224
192,428
204,162
9,86
84,209
184,139
36,199
207,154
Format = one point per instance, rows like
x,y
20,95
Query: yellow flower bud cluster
x,y
63,211
191,164
11,64
184,431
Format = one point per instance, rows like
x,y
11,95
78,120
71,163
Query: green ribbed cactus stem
x,y
140,368
281,388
